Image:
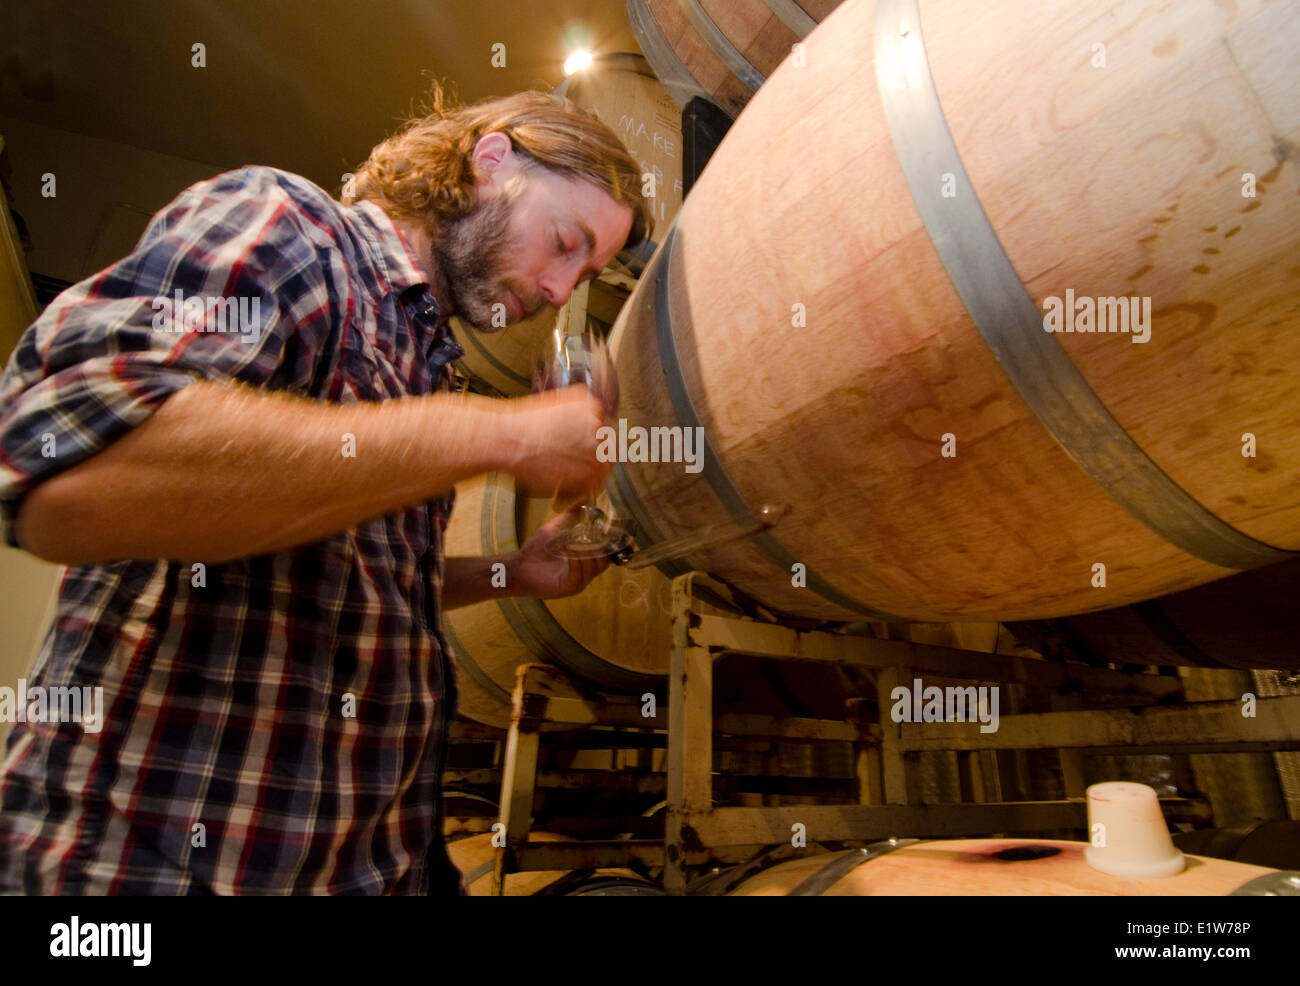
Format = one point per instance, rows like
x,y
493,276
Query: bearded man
x,y
253,522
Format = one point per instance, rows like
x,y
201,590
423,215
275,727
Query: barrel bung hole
x,y
1018,853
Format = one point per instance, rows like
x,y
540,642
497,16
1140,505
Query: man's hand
x,y
543,575
530,571
555,444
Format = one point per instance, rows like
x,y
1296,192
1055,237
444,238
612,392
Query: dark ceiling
x,y
305,86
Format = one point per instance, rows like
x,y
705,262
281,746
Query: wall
x,y
105,193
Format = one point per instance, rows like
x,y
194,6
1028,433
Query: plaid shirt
x,y
230,759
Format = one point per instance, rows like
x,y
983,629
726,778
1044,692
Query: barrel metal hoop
x,y
572,656
560,886
628,504
730,56
724,882
1280,883
672,74
471,338
1009,320
789,13
713,470
838,868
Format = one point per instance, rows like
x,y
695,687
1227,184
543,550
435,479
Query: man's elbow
x,y
55,524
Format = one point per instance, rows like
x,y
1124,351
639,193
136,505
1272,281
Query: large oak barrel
x,y
721,49
946,458
985,868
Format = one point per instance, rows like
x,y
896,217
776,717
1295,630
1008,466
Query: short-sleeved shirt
x,y
275,724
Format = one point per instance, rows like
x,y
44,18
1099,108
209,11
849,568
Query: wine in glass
x,y
573,360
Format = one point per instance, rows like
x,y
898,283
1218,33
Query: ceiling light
x,y
577,62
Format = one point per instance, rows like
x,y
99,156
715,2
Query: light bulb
x,y
577,62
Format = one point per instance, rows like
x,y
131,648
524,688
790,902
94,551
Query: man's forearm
x,y
222,472
472,580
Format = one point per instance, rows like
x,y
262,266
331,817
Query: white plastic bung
x,y
1127,833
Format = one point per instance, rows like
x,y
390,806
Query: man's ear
x,y
494,159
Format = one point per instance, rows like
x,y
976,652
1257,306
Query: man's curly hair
x,y
424,172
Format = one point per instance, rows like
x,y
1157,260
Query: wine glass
x,y
573,360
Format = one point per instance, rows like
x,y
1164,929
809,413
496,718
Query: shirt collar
x,y
407,280
401,265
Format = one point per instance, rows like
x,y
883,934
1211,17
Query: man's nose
x,y
557,286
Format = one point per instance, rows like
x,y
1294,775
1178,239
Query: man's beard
x,y
470,252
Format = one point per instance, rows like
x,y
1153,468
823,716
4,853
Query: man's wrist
x,y
487,433
502,428
516,574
